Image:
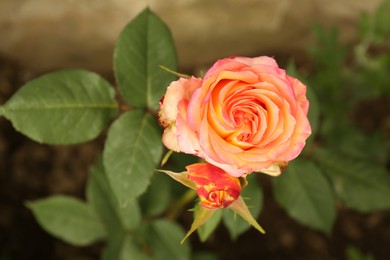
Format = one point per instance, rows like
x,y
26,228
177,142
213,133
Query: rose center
x,y
245,118
218,199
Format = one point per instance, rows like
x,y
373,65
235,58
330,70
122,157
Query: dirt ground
x,y
29,171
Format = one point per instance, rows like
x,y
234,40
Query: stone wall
x,y
50,34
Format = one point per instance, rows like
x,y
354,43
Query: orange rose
x,y
246,115
215,188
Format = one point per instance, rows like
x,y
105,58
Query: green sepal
x,y
181,177
202,214
180,75
240,207
166,157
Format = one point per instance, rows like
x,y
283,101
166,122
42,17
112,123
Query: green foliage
x,y
329,55
99,193
353,253
361,185
204,256
135,208
122,247
64,107
374,31
254,198
360,146
143,45
101,197
164,238
354,161
69,219
74,106
209,227
157,197
239,207
201,216
306,195
131,153
375,28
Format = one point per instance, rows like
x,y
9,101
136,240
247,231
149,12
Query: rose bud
x,y
215,187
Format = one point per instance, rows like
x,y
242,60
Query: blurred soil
x,y
30,171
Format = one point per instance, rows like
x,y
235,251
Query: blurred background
x,y
43,35
38,36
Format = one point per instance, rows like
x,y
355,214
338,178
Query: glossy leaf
x,y
144,45
123,247
64,107
164,237
102,197
253,196
131,153
306,195
68,219
363,147
361,185
157,197
130,215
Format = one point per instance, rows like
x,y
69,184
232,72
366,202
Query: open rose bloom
x,y
246,115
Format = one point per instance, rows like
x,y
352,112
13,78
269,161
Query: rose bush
x,y
246,115
215,187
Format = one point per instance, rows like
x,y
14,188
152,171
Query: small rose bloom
x,y
215,187
246,115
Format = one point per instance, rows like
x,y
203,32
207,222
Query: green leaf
x,y
164,239
254,197
68,219
64,107
131,153
130,215
123,247
306,195
144,45
157,197
361,185
101,196
360,146
208,228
